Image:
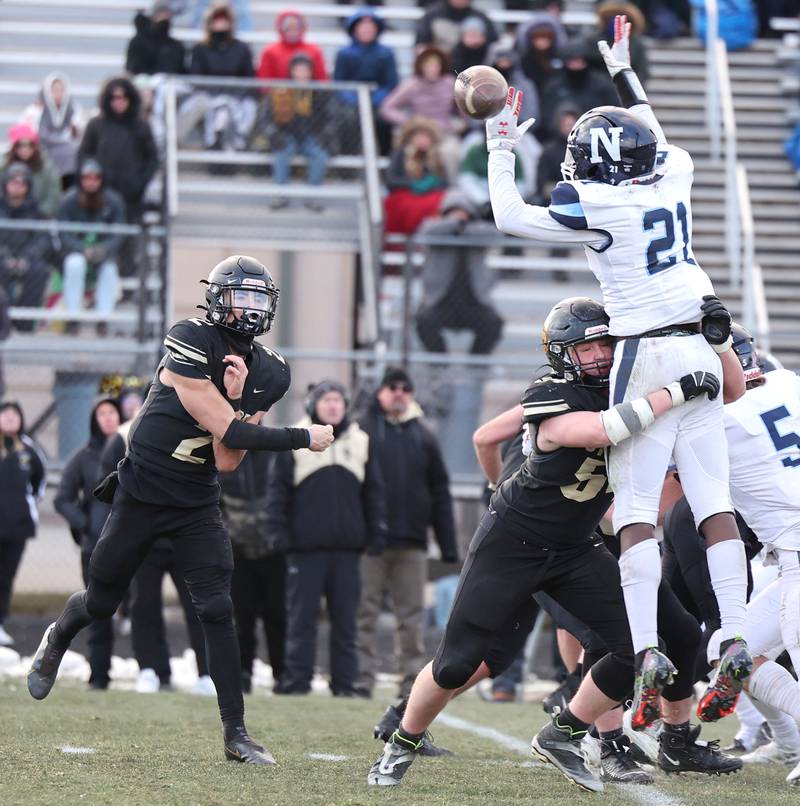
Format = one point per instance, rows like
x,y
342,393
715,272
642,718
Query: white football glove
x,y
503,131
617,57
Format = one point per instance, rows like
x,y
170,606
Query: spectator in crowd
x,y
91,202
417,497
121,141
416,177
473,177
228,113
239,8
667,19
575,84
324,551
441,24
549,169
365,59
538,42
299,119
58,120
275,58
22,480
45,182
258,586
472,45
152,49
5,332
23,253
505,59
86,516
606,12
456,282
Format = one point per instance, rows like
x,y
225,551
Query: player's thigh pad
x,y
762,625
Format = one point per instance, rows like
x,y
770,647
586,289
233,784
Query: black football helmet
x,y
243,287
609,144
746,352
573,321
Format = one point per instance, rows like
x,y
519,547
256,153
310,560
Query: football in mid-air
x,y
480,91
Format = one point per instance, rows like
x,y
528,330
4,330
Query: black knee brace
x,y
452,673
613,675
217,608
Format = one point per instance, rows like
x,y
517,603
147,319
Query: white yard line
x,y
643,795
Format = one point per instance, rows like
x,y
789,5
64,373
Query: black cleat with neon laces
x,y
654,671
680,751
560,747
390,722
240,747
722,694
397,756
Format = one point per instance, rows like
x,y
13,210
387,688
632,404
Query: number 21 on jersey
x,y
662,223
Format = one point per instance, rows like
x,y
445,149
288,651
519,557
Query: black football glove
x,y
698,383
716,323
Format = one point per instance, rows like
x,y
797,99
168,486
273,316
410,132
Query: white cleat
x,y
5,638
147,682
646,740
772,754
204,686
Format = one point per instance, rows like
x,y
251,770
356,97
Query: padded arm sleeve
x,y
242,436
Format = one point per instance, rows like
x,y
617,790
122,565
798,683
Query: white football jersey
x,y
637,237
763,432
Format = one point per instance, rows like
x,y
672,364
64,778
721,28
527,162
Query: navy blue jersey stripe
x,y
626,362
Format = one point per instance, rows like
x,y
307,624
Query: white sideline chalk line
x,y
327,757
646,796
68,748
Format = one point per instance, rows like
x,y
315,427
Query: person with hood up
x,y
323,553
58,120
505,59
291,27
365,59
472,46
441,24
121,141
152,49
23,253
45,182
456,282
606,12
538,43
86,516
416,177
228,113
417,497
91,202
23,482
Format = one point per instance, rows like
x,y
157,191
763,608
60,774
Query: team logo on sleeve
x,y
610,140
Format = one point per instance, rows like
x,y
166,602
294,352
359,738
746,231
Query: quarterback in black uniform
x,y
209,392
538,535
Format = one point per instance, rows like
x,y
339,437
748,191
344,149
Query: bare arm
x,y
733,383
203,401
488,438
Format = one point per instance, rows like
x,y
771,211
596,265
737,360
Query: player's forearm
x,y
490,460
227,459
488,438
733,382
633,97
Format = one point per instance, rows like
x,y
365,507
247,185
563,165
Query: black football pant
x,y
101,638
148,632
258,590
494,606
203,554
310,576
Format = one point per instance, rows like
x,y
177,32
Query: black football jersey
x,y
170,457
557,499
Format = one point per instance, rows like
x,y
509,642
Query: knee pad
x,y
452,674
613,675
217,608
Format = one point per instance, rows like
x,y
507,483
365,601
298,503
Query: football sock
x,y
401,706
784,729
727,566
72,620
640,572
567,720
407,737
224,666
610,735
750,720
681,727
775,686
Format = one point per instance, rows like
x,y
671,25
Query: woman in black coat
x,y
22,481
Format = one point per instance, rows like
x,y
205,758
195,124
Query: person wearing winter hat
x,y
417,497
472,46
23,482
24,146
291,27
323,553
152,49
456,282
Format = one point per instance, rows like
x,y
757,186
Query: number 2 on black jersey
x,y
663,244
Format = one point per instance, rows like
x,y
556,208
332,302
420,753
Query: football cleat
x,y
727,681
240,747
557,746
772,754
654,671
737,747
617,764
390,722
560,697
681,752
397,756
644,743
44,667
793,777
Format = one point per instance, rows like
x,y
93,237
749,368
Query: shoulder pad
x,y
189,340
565,206
545,398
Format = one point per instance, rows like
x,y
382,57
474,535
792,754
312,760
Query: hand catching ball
x,y
480,92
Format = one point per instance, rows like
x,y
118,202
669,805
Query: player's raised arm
x,y
629,88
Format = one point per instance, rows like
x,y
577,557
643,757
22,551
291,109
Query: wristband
x,y
627,419
676,393
725,346
242,436
629,88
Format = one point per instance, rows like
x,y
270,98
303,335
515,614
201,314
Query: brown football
x,y
480,91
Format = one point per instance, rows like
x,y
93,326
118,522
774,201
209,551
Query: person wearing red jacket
x,y
275,58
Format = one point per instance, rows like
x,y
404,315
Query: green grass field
x,y
166,749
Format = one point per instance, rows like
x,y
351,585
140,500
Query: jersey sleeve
x,y
545,398
272,380
566,208
188,351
